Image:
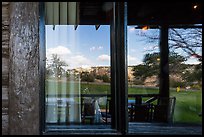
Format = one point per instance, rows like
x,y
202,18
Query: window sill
x,y
80,129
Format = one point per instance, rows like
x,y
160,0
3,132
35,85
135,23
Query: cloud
x,y
93,48
73,60
80,59
130,58
151,48
76,61
60,50
133,60
104,57
100,47
96,48
192,60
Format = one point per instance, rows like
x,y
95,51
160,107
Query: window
x,y
79,89
93,78
143,70
77,84
185,46
185,80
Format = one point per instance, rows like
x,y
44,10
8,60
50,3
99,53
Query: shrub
x,y
174,84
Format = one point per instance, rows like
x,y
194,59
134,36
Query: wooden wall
x,y
5,65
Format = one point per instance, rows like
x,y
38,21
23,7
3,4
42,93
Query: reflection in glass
x,y
186,74
143,72
185,70
77,74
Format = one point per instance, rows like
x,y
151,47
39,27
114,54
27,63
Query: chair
x,y
163,112
88,110
140,112
106,116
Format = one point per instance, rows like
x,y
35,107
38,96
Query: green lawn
x,y
188,103
188,106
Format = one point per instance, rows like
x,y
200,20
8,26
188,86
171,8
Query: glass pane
x,y
143,68
184,107
185,68
77,75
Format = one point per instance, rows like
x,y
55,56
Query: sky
x,y
86,47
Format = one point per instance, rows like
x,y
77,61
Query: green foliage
x,y
105,78
176,63
151,59
198,72
151,67
138,81
141,72
196,86
176,58
88,77
56,66
174,84
99,77
152,62
193,76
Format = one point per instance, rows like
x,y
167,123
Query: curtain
x,y
61,13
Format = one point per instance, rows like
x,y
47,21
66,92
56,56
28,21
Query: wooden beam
x,y
164,70
119,65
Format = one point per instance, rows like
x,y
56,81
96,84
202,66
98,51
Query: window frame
x,y
119,82
118,36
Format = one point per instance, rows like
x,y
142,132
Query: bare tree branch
x,y
188,40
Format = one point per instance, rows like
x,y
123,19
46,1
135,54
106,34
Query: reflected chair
x,y
106,116
140,112
88,110
163,112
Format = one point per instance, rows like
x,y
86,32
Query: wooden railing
x,y
138,99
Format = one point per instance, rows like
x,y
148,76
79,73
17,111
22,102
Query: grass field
x,y
188,103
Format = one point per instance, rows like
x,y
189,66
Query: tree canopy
x,y
151,63
55,67
187,40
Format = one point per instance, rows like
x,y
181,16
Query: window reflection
x,y
143,72
77,75
186,74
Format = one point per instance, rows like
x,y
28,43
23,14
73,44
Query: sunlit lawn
x,y
188,106
188,103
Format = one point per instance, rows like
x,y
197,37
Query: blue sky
x,y
86,46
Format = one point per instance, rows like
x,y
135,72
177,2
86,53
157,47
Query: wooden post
x,y
119,67
24,69
164,68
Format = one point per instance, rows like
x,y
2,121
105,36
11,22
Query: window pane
x,y
185,68
77,75
185,79
143,70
